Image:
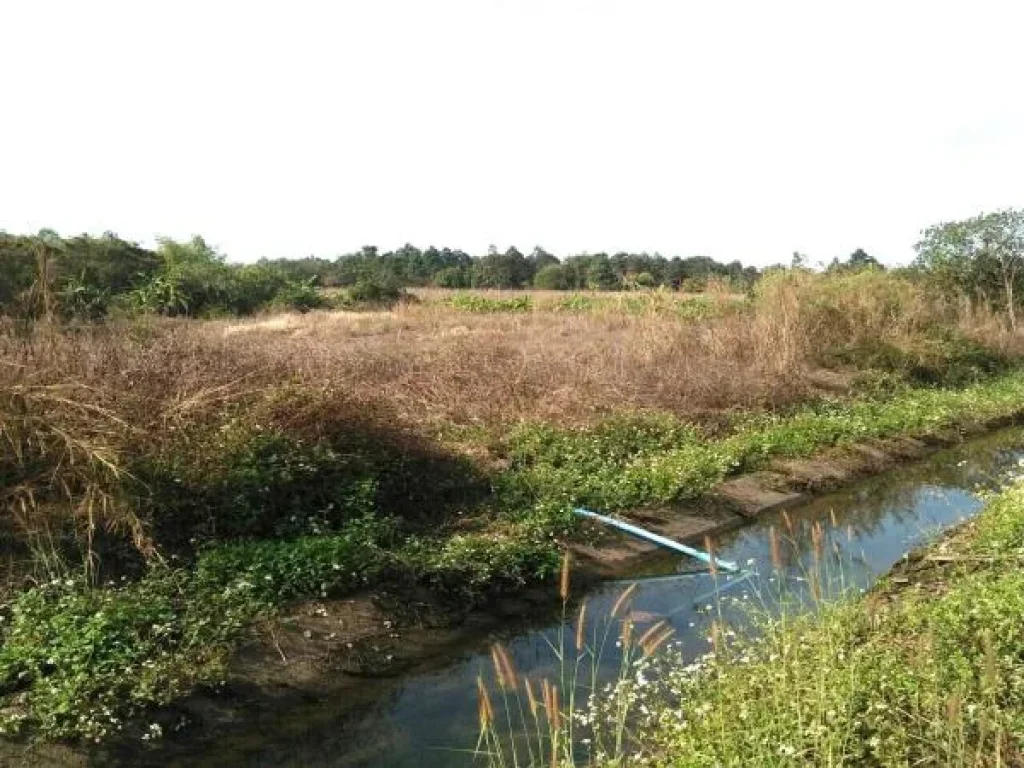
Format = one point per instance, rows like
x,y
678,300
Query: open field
x,y
223,468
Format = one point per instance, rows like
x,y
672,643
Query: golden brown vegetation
x,y
74,402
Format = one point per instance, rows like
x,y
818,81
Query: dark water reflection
x,y
423,719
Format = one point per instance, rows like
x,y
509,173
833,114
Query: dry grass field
x,y
431,365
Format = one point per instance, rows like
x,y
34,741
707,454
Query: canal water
x,y
429,718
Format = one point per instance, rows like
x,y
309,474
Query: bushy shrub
x,y
376,290
300,297
552,277
453,277
935,359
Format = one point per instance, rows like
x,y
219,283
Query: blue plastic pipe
x,y
655,538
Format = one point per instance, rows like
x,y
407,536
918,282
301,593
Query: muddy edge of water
x,y
331,649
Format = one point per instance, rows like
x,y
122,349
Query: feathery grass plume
x,y
484,708
652,631
654,643
504,668
788,521
581,624
817,540
555,710
547,692
626,634
563,582
496,662
716,637
991,673
815,583
773,539
626,594
710,547
531,697
832,517
954,704
849,532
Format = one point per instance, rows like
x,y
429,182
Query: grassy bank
x,y
78,661
926,669
925,673
169,482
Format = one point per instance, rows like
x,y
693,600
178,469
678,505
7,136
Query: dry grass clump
x,y
427,365
440,367
61,467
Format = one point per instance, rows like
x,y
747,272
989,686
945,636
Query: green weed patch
x,y
631,462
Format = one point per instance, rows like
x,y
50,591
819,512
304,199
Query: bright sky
x,y
733,129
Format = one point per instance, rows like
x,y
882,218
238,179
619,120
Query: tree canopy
x,y
982,256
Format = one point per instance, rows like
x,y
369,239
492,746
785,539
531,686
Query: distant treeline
x,y
447,268
89,277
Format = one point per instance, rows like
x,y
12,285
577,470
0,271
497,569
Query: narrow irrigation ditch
x,y
425,713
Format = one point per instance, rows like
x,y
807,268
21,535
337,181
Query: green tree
x,y
857,261
540,258
452,277
644,280
600,275
551,277
502,270
982,256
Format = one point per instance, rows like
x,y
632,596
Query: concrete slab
x,y
751,496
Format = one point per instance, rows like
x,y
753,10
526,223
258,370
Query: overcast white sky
x,y
734,129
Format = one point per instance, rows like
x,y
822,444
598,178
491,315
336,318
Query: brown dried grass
x,y
435,366
72,403
429,366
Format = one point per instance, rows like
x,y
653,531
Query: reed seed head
x,y
991,671
555,711
817,540
626,635
716,636
484,708
710,547
773,538
581,627
953,708
652,631
656,642
531,697
563,582
623,598
504,668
